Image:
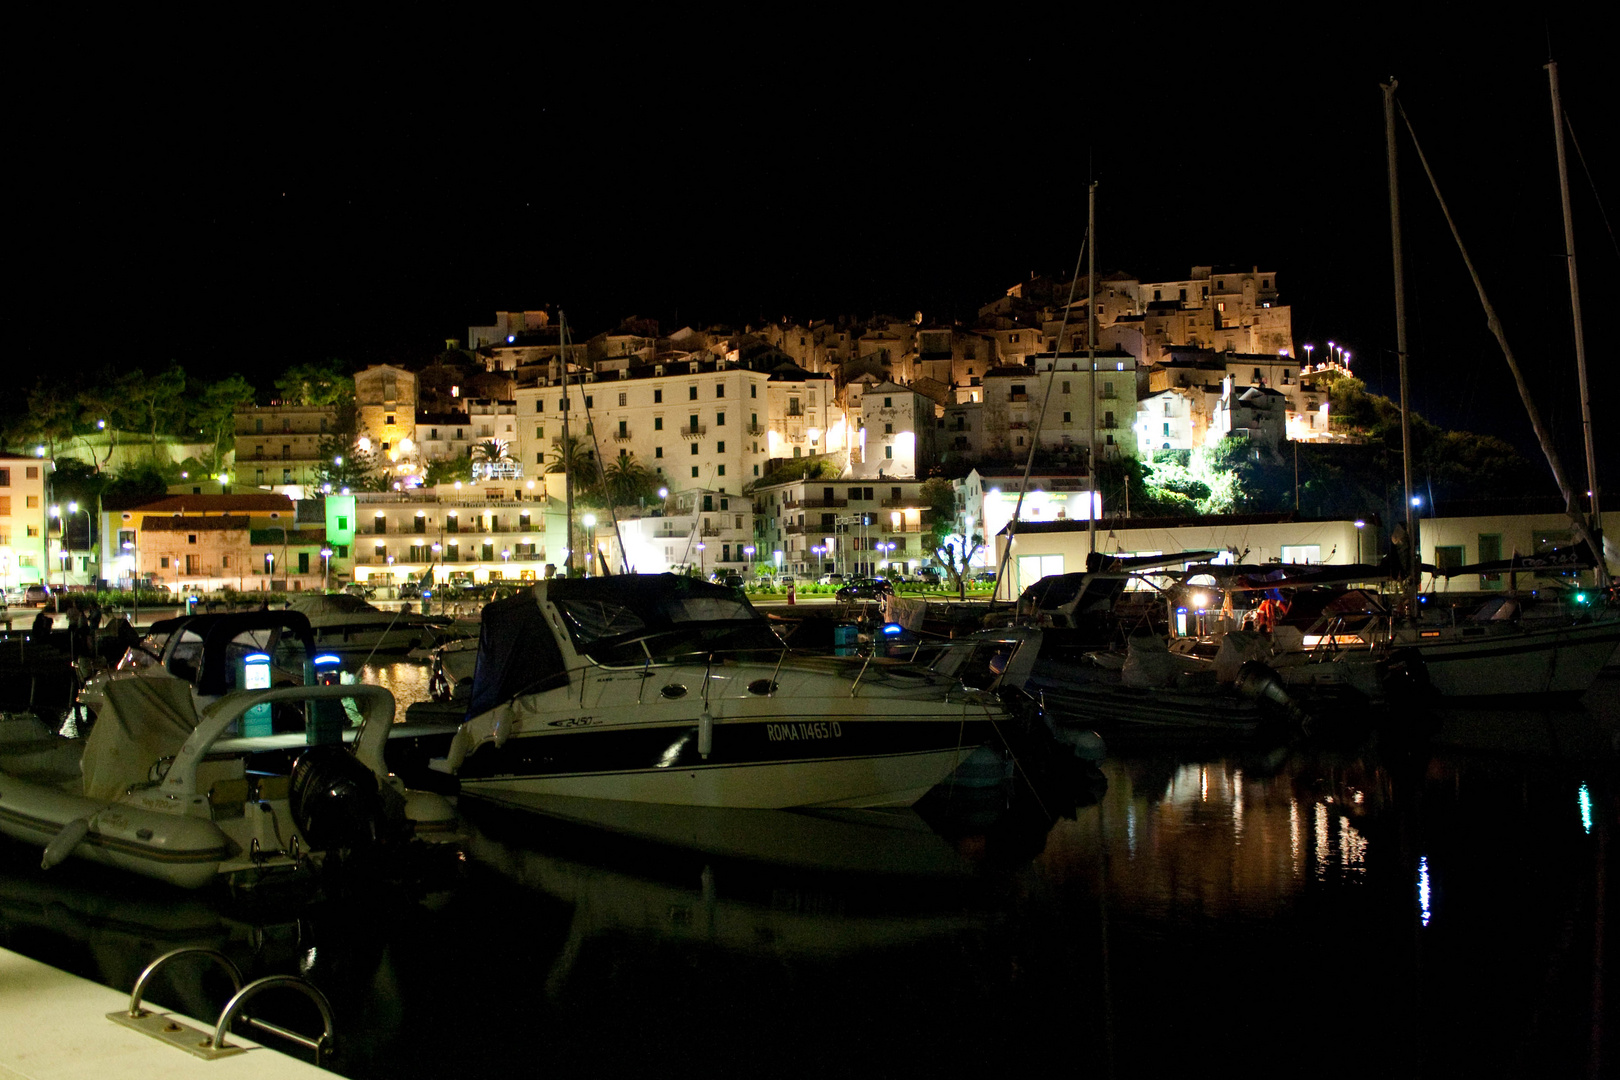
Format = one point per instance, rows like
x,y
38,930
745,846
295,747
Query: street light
x,y
702,570
1360,524
1308,349
326,568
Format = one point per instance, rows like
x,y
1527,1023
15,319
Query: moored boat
x,y
346,624
654,688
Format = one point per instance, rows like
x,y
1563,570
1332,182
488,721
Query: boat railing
x,y
375,702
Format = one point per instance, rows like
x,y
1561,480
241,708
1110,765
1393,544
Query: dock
x,y
54,1026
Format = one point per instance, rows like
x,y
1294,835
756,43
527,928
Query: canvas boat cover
x,y
150,719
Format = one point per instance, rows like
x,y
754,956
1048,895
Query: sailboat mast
x,y
1091,363
567,450
1593,511
1410,584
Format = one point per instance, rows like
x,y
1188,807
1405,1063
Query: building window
x,y
622,399
753,391
658,397
720,447
719,419
658,423
694,472
720,470
888,451
694,449
590,401
719,390
691,393
539,406
658,451
388,418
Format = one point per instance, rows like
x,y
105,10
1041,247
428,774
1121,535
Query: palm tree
x,y
627,480
576,458
490,452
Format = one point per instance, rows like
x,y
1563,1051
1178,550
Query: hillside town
x,y
891,447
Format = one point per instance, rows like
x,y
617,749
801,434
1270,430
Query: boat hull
x,y
760,763
1523,662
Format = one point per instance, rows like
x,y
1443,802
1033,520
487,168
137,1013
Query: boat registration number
x,y
819,729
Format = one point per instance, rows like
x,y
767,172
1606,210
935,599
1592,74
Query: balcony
x,y
793,530
824,503
621,436
693,432
709,530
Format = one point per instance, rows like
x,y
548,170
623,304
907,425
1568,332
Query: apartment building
x,y
463,533
278,446
710,424
818,526
22,520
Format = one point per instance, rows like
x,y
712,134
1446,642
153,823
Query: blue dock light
x,y
327,669
890,629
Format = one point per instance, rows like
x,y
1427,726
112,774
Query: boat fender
x,y
705,734
63,843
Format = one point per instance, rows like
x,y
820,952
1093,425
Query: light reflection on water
x,y
1437,898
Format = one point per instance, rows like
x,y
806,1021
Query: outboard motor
x,y
338,803
1257,682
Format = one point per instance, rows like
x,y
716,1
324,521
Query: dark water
x,y
1411,903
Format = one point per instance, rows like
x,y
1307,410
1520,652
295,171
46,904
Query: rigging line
x,y
1571,504
686,555
601,472
1591,182
1046,397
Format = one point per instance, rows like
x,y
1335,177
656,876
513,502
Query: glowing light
x,y
1425,912
1584,799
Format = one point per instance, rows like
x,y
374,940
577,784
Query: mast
x,y
567,449
1594,519
1410,579
1091,363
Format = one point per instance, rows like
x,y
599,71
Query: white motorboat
x,y
162,789
659,689
347,625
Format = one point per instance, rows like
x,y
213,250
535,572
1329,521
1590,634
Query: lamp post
x,y
1308,349
702,569
326,568
589,521
748,553
132,547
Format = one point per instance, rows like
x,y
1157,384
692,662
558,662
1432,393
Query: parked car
x,y
929,575
735,581
410,590
830,579
36,596
356,588
864,589
785,581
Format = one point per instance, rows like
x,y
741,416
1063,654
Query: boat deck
x,y
54,1025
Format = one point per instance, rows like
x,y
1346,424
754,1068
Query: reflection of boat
x,y
162,789
348,624
653,688
818,884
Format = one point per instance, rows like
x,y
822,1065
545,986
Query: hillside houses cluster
x,y
802,447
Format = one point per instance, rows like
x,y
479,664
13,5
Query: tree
x,y
488,453
49,421
315,384
213,412
344,466
448,471
158,401
628,481
953,549
576,459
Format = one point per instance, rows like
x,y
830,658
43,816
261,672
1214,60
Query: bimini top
x,y
622,620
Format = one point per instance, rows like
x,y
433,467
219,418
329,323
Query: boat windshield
x,y
632,618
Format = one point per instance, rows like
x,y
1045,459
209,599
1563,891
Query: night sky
x,y
267,201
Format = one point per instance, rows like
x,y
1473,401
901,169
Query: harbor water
x,y
1425,898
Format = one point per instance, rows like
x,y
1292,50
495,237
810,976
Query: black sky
x,y
242,199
